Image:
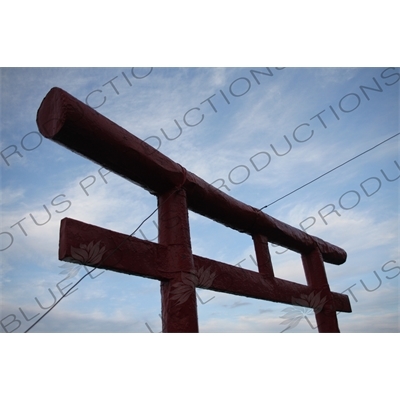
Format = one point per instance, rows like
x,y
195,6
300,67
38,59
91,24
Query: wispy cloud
x,y
249,124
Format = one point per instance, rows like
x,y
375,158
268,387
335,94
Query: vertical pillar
x,y
263,256
316,278
178,295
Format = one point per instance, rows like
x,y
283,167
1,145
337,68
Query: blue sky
x,y
319,117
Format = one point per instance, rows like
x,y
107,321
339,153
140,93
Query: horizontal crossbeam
x,y
73,124
129,255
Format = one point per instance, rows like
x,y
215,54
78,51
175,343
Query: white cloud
x,y
224,140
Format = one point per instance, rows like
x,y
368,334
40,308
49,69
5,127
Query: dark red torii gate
x,y
71,123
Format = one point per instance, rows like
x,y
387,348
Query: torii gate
x,y
69,122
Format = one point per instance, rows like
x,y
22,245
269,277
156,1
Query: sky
x,y
258,134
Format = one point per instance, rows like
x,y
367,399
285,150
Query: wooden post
x,y
325,312
178,295
263,256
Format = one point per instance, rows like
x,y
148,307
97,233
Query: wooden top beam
x,y
71,123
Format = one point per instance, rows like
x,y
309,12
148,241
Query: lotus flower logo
x,y
310,304
90,254
182,290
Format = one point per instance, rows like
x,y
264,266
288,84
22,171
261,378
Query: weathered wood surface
x,y
139,257
73,124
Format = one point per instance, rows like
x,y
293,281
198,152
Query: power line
x,y
84,276
150,215
326,173
88,273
